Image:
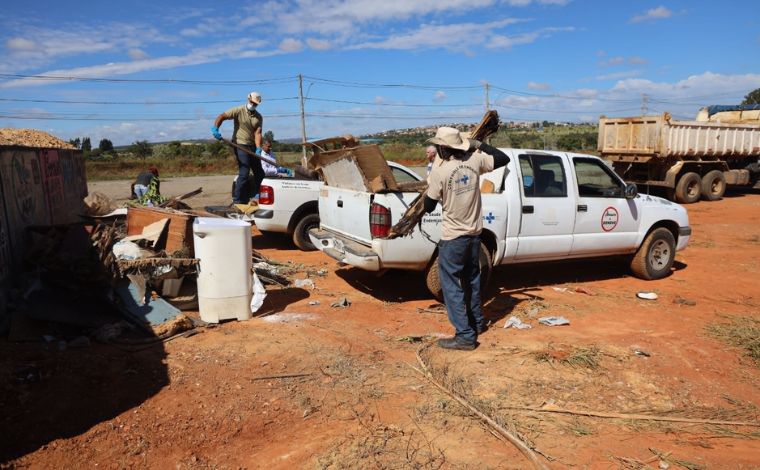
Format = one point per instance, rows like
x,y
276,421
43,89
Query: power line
x,y
146,80
400,105
388,85
135,102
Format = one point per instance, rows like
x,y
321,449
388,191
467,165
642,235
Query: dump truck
x,y
689,160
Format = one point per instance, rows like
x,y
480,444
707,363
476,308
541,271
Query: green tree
x,y
141,149
86,145
269,135
105,145
76,142
753,97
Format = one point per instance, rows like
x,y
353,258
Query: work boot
x,y
453,343
482,329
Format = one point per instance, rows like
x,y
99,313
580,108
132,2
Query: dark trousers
x,y
245,186
459,272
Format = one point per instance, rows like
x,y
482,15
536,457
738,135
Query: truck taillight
x,y
266,195
379,220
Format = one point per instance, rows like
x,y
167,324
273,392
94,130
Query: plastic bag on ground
x,y
259,294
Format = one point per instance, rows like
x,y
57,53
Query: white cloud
x,y
618,75
39,47
137,54
538,86
318,44
637,60
439,96
290,45
652,14
20,44
459,37
612,61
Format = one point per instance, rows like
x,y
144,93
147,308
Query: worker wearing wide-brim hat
x,y
455,183
247,134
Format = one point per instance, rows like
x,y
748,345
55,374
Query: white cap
x,y
254,97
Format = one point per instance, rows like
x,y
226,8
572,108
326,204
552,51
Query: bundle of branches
x,y
488,126
158,267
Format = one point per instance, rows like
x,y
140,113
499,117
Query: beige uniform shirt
x,y
456,184
246,124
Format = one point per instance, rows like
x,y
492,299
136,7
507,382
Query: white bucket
x,y
223,247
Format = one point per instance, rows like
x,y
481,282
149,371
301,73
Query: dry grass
x,y
743,332
584,357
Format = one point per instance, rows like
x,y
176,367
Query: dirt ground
x,y
312,386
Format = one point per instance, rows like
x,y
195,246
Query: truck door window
x,y
595,179
402,177
543,176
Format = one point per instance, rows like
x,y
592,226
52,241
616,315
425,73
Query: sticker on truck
x,y
609,219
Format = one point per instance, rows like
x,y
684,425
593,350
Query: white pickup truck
x,y
543,206
289,205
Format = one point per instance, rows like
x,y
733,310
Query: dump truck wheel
x,y
433,282
688,188
301,232
655,256
713,185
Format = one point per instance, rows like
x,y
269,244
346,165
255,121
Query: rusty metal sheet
x,y
24,194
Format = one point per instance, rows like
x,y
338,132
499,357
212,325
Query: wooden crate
x,y
179,234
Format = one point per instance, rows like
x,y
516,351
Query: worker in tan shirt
x,y
455,183
247,134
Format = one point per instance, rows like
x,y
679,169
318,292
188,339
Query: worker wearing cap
x,y
455,183
246,133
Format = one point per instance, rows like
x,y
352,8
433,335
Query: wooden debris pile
x,y
32,138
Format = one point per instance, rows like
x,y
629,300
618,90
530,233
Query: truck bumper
x,y
345,250
684,234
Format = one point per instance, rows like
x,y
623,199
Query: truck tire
x,y
713,185
688,188
655,256
433,282
301,231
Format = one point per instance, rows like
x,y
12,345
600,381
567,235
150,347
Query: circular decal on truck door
x,y
609,219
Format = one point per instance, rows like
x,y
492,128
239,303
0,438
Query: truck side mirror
x,y
630,191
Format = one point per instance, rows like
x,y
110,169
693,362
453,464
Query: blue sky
x,y
160,71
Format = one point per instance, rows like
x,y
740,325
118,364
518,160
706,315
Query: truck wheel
x,y
713,185
688,188
655,256
433,282
301,232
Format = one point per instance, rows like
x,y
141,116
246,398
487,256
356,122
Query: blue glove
x,y
215,132
282,169
258,151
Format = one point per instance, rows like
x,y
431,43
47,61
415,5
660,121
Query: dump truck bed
x,y
644,137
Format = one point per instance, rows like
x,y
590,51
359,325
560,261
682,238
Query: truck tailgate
x,y
345,211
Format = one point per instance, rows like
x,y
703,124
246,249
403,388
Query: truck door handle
x,y
340,203
583,208
527,210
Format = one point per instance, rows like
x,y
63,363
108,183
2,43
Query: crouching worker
x,y
146,182
455,183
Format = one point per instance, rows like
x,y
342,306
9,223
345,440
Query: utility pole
x,y
303,121
488,104
644,100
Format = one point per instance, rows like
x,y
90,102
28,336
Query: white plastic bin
x,y
223,247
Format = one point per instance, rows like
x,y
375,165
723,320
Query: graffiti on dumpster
x,y
54,184
23,181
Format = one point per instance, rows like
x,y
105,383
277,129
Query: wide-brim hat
x,y
450,137
254,97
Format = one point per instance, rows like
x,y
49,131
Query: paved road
x,y
216,189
